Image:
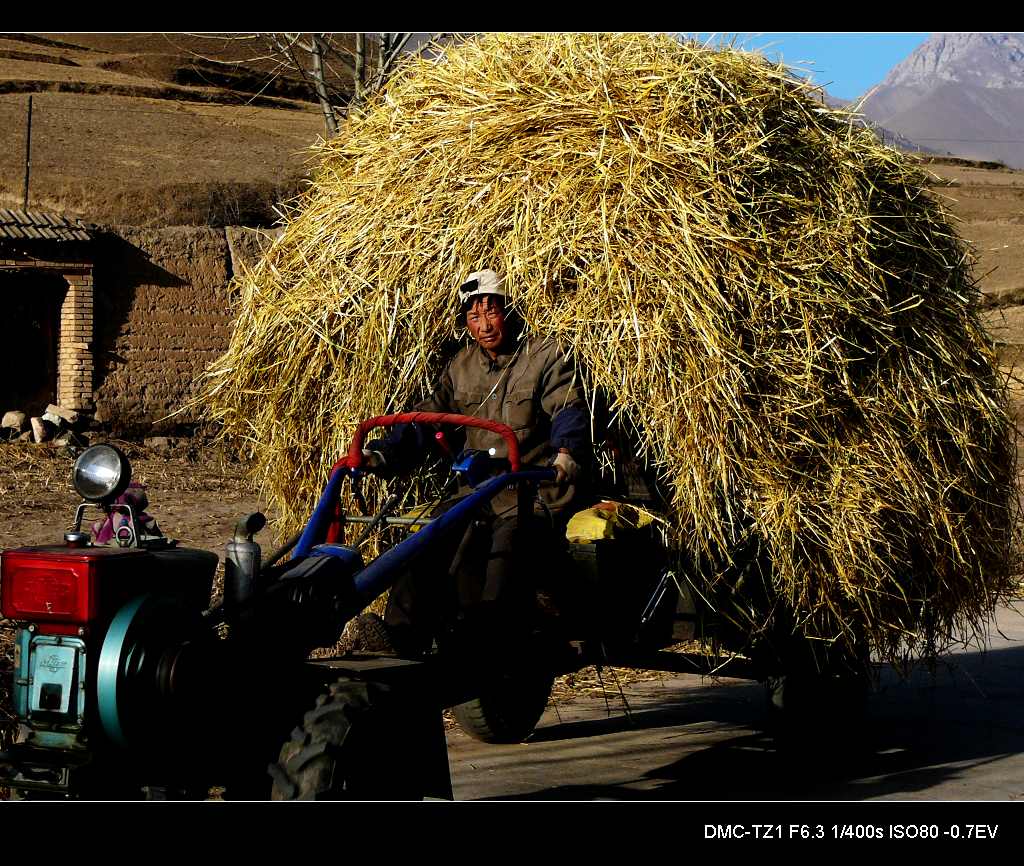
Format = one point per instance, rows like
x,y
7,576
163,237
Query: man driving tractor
x,y
485,577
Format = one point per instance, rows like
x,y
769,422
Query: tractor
x,y
128,684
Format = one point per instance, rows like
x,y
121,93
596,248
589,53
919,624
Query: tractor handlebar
x,y
354,458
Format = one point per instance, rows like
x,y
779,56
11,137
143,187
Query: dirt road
x,y
955,735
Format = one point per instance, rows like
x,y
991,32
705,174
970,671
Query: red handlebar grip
x,y
355,452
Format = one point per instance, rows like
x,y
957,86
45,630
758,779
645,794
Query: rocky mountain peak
x,y
990,60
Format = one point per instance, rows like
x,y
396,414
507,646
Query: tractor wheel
x,y
812,711
508,710
348,747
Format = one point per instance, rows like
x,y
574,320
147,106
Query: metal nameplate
x,y
53,668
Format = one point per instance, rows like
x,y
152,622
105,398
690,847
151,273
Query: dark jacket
x,y
535,390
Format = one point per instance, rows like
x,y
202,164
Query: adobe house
x,y
46,311
119,321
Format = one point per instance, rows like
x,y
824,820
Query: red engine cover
x,y
73,585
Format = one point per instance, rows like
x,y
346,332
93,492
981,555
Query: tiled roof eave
x,y
42,226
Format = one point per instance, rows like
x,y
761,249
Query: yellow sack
x,y
604,520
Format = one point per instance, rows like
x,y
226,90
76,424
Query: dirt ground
x,y
196,496
126,125
989,207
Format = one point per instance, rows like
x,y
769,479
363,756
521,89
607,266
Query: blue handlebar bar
x,y
316,528
380,573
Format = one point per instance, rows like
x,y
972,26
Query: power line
x,y
130,111
311,109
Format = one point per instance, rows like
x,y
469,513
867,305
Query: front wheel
x,y
350,746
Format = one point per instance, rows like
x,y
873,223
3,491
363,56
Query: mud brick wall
x,y
142,313
246,246
162,314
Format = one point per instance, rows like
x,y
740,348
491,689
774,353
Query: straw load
x,y
768,297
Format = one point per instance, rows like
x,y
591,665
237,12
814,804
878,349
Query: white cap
x,y
485,282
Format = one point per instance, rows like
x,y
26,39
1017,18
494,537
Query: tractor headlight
x,y
101,473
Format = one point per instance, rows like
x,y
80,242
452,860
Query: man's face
x,y
486,322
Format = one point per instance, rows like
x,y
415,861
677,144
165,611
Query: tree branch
x,y
330,121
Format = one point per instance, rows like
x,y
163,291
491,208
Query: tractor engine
x,y
80,612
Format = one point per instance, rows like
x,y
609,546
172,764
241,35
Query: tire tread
x,y
321,761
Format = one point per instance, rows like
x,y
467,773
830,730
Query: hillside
x,y
217,67
960,93
152,135
989,203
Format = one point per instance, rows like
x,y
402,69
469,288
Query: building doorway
x,y
30,303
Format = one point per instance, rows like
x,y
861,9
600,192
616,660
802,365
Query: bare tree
x,y
340,70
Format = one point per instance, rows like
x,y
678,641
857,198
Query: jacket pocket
x,y
468,402
518,412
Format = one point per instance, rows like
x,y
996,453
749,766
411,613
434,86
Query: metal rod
x,y
282,550
28,151
656,596
738,667
389,504
394,521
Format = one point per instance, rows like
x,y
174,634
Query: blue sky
x,y
846,64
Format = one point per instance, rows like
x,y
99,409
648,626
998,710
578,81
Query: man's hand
x,y
373,461
565,467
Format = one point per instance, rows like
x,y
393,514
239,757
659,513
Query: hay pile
x,y
768,295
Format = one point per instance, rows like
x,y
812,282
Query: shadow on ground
x,y
916,735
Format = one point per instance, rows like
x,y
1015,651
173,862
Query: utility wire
x,y
312,108
253,109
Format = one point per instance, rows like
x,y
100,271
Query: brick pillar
x,y
74,357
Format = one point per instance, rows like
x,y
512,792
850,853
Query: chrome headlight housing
x,y
101,473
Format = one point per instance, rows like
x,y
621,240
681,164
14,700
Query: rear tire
x,y
812,711
508,710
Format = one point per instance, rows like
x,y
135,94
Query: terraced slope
x,y
147,136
